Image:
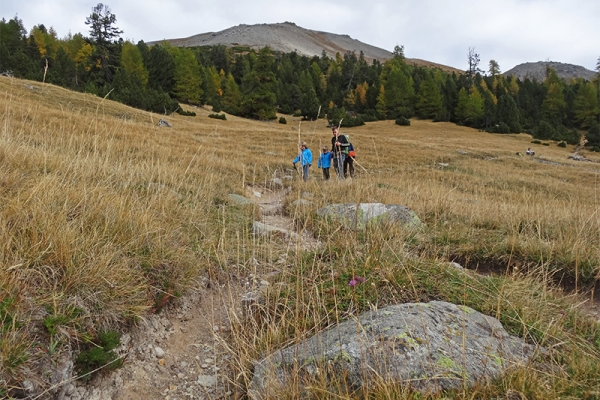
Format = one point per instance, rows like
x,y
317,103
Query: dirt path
x,y
179,354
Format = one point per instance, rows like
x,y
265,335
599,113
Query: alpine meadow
x,y
154,183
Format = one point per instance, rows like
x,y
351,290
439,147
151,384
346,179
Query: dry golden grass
x,y
104,217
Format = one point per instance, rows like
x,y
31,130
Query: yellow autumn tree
x,y
131,61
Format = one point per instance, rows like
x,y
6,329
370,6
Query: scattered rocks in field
x,y
162,122
431,347
578,157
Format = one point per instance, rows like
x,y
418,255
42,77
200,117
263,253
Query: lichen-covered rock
x,y
431,347
358,216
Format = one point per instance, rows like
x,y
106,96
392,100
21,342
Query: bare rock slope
x,y
288,37
537,71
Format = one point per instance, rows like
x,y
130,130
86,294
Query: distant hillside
x,y
288,37
537,71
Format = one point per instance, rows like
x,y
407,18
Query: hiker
x,y
305,158
349,160
530,152
339,148
325,162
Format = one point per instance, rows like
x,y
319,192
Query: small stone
x,y
161,361
204,366
159,352
207,380
209,360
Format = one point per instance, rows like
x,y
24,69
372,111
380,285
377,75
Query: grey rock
x,y
207,380
162,122
355,216
160,353
240,200
260,228
431,347
276,183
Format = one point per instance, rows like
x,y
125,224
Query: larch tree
x,y
131,60
187,76
494,68
585,105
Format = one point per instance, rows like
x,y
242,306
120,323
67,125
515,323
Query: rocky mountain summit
x,y
537,71
288,37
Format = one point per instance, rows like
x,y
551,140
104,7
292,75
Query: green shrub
x,y
545,144
562,144
536,142
186,113
218,116
282,120
403,121
99,355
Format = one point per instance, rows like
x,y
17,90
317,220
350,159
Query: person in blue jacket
x,y
325,162
305,158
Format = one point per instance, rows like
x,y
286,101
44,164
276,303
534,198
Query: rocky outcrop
x,y
431,347
359,216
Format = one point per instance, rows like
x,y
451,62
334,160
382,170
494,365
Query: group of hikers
x,y
341,153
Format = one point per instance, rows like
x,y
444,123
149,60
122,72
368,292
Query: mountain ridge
x,y
288,37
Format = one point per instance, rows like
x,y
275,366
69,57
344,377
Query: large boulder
x,y
431,347
358,216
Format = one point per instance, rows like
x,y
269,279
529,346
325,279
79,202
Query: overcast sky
x,y
508,31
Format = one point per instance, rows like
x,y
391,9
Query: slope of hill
x,y
288,37
537,71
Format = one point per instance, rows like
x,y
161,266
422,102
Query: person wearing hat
x,y
305,159
339,148
325,162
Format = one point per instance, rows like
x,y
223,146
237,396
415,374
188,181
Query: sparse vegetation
x,y
104,220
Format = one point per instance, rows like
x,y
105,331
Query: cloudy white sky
x,y
508,31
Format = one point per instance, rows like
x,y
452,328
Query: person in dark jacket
x,y
305,158
325,162
339,148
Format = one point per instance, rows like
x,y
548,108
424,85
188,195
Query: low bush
x,y
218,116
282,120
186,113
403,121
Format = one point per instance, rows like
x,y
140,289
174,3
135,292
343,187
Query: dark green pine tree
x,y
507,113
129,89
258,89
62,70
429,99
161,69
309,103
12,46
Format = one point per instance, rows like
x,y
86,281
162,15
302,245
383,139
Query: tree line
x,y
258,84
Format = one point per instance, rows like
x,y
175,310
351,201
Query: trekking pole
x,y
357,163
300,171
339,154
